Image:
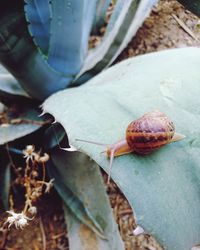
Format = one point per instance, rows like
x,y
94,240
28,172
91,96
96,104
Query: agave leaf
x,y
193,5
11,132
5,182
33,72
54,136
9,86
38,14
11,91
89,12
75,205
75,171
123,24
23,121
3,70
163,188
81,237
58,70
70,28
102,7
20,57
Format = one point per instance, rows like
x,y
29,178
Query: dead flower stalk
x,y
32,178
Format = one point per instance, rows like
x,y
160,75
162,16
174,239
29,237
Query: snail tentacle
x,y
112,155
117,149
93,142
143,136
177,137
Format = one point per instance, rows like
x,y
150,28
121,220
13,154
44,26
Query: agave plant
x,y
192,6
50,53
44,45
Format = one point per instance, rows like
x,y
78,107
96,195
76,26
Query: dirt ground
x,y
162,30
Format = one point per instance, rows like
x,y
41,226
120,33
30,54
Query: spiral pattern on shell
x,y
150,132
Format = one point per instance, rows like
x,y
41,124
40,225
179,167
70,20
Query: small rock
x,y
196,247
138,230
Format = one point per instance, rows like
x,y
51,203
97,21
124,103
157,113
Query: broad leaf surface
x,y
12,132
10,86
38,14
192,5
22,121
100,16
163,188
53,136
70,28
32,72
5,182
10,90
90,205
124,22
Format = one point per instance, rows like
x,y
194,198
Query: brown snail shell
x,y
150,132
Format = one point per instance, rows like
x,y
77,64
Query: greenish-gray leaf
x,y
86,205
192,5
53,136
5,182
22,122
125,20
10,90
163,188
10,132
100,17
9,85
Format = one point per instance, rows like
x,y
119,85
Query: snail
x,y
143,136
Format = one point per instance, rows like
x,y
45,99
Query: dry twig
x,y
44,241
185,27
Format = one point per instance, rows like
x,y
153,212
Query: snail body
x,y
143,136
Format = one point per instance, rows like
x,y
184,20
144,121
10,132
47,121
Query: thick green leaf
x,y
40,74
24,120
192,5
163,188
53,136
9,85
3,70
75,171
11,132
21,57
10,89
5,182
123,24
70,29
38,15
101,9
